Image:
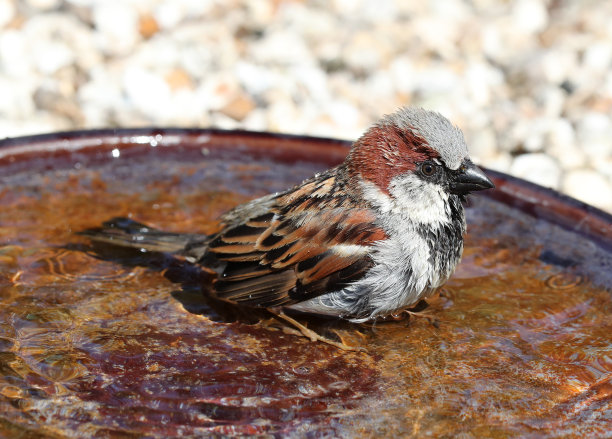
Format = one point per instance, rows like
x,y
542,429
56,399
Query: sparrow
x,y
365,239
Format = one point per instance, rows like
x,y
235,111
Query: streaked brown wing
x,y
299,249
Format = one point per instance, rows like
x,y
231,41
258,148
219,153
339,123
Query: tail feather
x,y
125,232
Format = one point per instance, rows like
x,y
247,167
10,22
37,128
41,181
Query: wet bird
x,y
365,239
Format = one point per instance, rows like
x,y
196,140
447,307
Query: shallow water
x,y
96,342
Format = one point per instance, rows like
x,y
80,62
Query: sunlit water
x,y
101,344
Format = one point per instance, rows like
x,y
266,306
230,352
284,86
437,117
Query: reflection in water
x,y
105,343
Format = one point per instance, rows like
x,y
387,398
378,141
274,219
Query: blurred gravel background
x,y
528,81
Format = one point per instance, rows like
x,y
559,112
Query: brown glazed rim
x,y
65,148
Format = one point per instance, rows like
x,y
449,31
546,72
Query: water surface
x,y
96,342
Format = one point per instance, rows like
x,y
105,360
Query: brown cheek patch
x,y
384,152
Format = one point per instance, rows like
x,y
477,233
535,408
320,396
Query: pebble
x,y
147,92
239,108
365,54
100,96
13,44
147,26
483,145
117,26
538,168
561,143
529,16
7,12
590,187
43,5
169,14
16,98
51,56
529,81
594,132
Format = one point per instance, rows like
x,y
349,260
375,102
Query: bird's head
x,y
416,155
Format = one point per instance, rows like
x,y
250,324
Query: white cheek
x,y
412,200
377,197
424,202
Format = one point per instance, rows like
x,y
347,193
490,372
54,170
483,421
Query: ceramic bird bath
x,y
107,343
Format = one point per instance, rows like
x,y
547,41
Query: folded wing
x,y
310,241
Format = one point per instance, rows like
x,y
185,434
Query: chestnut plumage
x,y
367,238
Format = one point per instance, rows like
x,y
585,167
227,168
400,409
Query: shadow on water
x,y
193,281
195,291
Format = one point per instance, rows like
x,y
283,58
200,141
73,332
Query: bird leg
x,y
414,311
312,335
421,314
434,321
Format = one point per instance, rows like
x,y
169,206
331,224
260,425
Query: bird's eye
x,y
428,169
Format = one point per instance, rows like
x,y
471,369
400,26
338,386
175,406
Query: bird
x,y
363,240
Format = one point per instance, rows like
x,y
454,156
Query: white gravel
x,y
529,81
537,167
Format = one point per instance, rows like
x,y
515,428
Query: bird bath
x,y
113,344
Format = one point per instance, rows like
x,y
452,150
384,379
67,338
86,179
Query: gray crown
x,y
437,130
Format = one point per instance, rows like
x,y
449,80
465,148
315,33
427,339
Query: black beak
x,y
469,178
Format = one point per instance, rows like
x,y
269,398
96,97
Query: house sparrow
x,y
365,239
